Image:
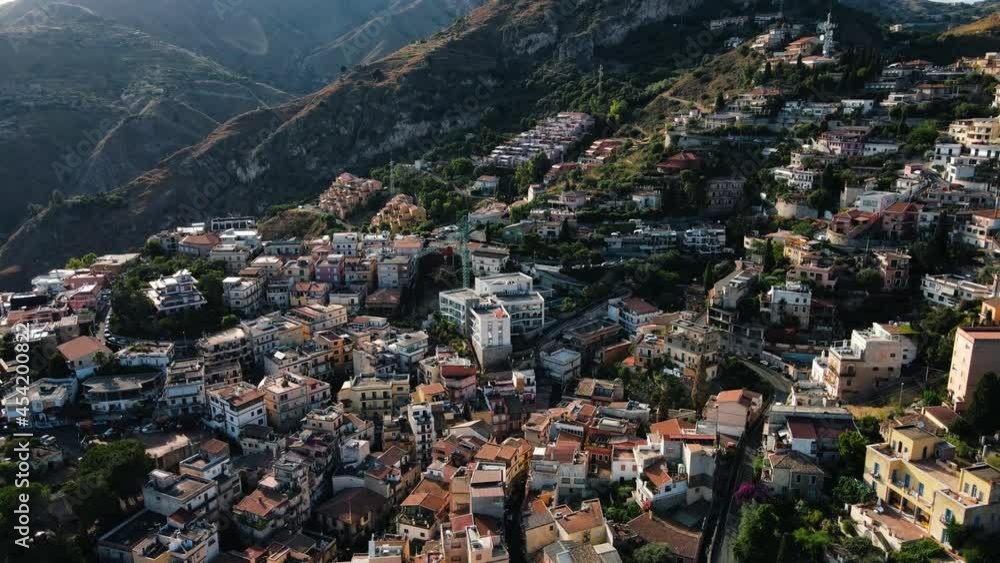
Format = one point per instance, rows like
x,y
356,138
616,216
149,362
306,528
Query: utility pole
x,y
900,394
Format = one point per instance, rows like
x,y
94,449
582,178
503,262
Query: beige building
x,y
922,490
289,396
976,353
374,395
870,360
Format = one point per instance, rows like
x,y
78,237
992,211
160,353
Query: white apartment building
x,y
562,364
421,420
800,179
242,295
454,305
345,243
793,300
165,493
631,312
950,290
157,355
490,327
175,294
489,260
410,347
272,332
234,407
705,240
184,389
225,346
525,306
243,237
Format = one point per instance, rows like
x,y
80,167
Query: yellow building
x,y
913,473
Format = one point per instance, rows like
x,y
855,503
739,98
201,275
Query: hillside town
x,y
788,313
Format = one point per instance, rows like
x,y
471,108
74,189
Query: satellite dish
x,y
920,424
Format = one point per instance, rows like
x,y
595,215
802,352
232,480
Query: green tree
x,y
653,553
869,279
850,490
533,171
852,446
755,540
983,414
229,321
924,550
768,258
720,102
700,387
10,501
812,543
123,464
459,168
79,263
708,278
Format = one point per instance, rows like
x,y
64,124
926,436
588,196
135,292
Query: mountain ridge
x,y
443,84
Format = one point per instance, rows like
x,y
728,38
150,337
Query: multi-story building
x,y
396,271
692,346
184,389
228,345
233,256
289,396
282,500
421,419
560,467
401,213
918,483
119,393
372,395
212,462
234,407
149,537
155,355
791,302
271,332
165,493
489,260
976,353
490,334
347,194
243,295
279,292
894,267
950,290
981,230
723,194
872,359
562,364
175,294
632,312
